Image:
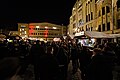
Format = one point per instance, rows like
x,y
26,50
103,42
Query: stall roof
x,y
2,36
115,35
95,34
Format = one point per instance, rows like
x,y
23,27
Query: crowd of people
x,y
51,59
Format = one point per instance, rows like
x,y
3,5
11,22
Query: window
x,y
118,24
80,22
86,28
91,28
86,18
74,25
103,10
91,15
107,9
95,1
99,14
103,27
99,28
74,18
108,26
118,4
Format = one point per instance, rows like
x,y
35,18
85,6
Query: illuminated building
x,y
44,31
95,15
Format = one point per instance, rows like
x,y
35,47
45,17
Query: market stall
x,y
88,38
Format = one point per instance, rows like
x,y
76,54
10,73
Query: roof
x,y
115,35
2,36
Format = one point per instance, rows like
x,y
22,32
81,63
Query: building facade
x,y
95,15
44,31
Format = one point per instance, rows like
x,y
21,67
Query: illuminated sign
x,y
23,26
79,34
46,33
31,30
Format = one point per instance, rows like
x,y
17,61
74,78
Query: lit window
x,y
25,32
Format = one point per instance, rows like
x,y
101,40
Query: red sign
x,y
46,33
31,30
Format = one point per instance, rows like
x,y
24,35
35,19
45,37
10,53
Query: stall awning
x,y
95,34
2,36
115,35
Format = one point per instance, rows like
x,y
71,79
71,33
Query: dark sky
x,y
54,11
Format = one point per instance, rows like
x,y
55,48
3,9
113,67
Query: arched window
x,y
118,4
107,9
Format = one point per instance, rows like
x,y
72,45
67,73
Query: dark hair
x,y
8,67
97,50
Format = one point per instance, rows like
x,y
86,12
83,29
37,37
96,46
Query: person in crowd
x,y
74,58
4,51
49,69
84,59
110,61
55,48
117,52
23,57
96,68
9,68
62,59
36,51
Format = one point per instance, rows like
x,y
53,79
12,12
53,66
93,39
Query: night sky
x,y
27,11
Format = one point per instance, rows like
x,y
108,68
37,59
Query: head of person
x,y
49,50
9,67
96,51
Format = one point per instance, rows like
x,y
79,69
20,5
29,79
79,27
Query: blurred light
x,y
7,39
25,32
20,33
54,28
20,29
37,26
75,29
41,39
56,39
73,8
25,35
46,27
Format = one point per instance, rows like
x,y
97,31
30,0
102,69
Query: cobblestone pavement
x,y
76,76
30,76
